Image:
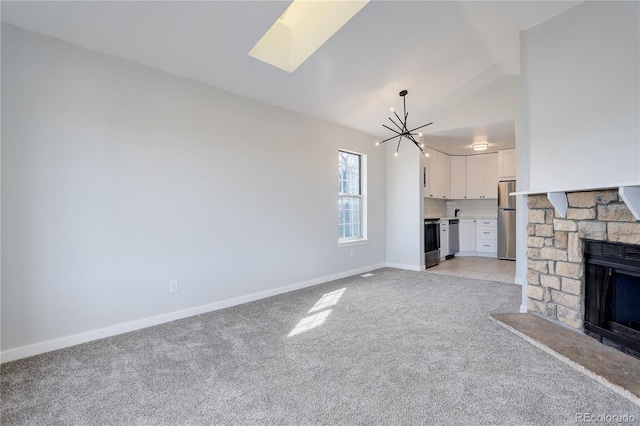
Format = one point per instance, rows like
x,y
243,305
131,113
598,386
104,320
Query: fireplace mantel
x,y
629,194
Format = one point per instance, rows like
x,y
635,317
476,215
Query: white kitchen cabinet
x,y
467,228
458,177
482,176
507,164
444,239
431,173
487,237
444,176
436,173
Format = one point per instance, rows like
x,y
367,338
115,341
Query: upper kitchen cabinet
x,y
444,176
482,176
507,164
436,175
458,177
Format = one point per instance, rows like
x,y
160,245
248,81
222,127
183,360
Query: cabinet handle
x,y
485,245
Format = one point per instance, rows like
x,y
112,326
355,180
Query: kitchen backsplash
x,y
472,208
435,207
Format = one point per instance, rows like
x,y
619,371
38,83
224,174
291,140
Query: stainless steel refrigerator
x,y
506,220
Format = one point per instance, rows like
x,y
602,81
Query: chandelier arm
x,y
392,137
418,145
396,124
393,130
428,124
404,123
398,148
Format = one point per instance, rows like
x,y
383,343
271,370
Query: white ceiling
x,y
434,49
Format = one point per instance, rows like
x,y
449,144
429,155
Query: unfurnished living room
x,y
320,212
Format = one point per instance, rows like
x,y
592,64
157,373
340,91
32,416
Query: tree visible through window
x,y
349,195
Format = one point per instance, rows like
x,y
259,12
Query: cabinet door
x,y
444,176
458,177
507,164
490,176
467,235
431,163
444,239
474,177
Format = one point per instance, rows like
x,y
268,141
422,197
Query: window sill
x,y
358,242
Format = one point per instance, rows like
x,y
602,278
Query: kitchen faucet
x,y
455,212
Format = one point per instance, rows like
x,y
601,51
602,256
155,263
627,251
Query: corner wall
x,y
580,75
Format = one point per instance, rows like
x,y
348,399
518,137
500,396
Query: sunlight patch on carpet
x,y
312,321
328,299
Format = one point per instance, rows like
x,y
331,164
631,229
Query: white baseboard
x,y
76,339
417,268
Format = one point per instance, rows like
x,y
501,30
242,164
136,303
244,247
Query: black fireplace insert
x,y
612,294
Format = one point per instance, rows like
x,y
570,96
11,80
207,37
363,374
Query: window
x,y
351,200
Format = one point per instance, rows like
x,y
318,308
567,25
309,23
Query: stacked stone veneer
x,y
555,260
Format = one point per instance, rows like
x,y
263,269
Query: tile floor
x,y
482,268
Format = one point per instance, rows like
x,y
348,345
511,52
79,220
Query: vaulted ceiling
x,y
439,50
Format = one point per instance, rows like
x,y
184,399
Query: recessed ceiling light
x,y
302,29
481,146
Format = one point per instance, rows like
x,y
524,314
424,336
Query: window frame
x,y
363,238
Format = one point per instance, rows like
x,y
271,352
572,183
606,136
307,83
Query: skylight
x,y
302,29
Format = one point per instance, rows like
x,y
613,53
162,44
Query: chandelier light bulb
x,y
377,143
422,146
392,110
426,154
395,154
420,134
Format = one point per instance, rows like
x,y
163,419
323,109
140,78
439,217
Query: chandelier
x,y
402,129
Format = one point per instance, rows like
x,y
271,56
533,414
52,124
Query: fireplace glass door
x,y
612,294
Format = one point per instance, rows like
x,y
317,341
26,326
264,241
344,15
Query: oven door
x,y
431,236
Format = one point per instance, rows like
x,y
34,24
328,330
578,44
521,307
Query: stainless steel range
x,y
431,241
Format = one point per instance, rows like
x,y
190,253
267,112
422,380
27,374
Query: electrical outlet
x,y
173,286
353,254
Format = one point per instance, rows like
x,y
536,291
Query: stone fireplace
x,y
556,249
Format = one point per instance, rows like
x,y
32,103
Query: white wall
x,y
580,75
405,207
117,178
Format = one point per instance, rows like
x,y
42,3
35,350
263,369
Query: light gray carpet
x,y
399,347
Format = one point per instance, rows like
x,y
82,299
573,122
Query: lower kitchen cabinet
x,y
487,237
444,239
467,237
